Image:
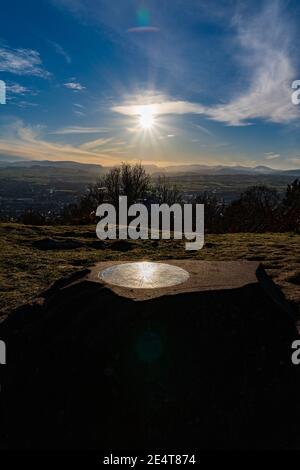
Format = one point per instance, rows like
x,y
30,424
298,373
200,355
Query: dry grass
x,y
25,270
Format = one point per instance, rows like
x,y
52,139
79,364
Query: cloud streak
x,y
27,142
80,130
61,51
95,144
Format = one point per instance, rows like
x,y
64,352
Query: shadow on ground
x,y
88,369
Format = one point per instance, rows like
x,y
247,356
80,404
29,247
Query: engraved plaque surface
x,y
144,275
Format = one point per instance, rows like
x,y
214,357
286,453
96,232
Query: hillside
x,y
31,258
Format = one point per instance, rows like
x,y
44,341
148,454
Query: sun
x,y
146,119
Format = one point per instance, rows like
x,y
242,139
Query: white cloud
x,y
75,86
164,106
22,62
265,105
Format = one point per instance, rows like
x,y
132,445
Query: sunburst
x,y
146,118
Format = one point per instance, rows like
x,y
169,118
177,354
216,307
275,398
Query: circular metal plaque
x,y
144,275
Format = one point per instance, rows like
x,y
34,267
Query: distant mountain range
x,y
90,167
155,170
228,170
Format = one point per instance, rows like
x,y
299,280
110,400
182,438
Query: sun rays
x,y
149,131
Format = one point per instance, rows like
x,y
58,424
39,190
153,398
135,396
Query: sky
x,y
163,82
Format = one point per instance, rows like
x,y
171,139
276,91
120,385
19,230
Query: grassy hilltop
x,y
27,268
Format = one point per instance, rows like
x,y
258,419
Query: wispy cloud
x,y
18,140
61,51
79,113
265,41
25,104
95,144
17,89
167,136
75,86
22,62
271,156
80,130
203,129
28,142
16,94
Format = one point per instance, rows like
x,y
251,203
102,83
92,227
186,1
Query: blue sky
x,y
161,81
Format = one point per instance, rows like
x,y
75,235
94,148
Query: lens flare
x,y
143,17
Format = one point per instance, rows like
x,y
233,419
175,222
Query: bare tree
x,y
290,212
166,193
112,182
85,210
214,211
128,180
134,181
255,211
